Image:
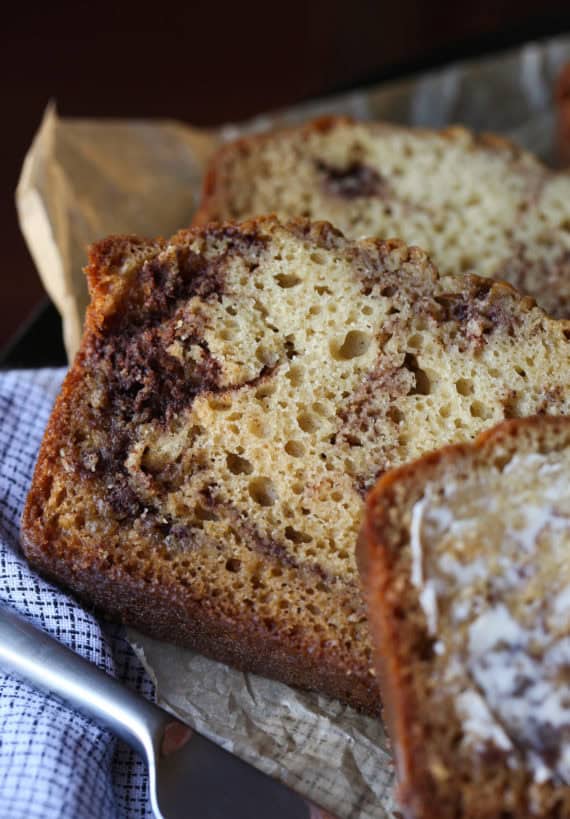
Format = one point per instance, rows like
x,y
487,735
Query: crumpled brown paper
x,y
83,179
325,750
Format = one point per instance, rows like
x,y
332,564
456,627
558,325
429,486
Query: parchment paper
x,y
84,179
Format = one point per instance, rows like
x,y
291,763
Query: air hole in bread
x,y
265,391
257,427
238,465
422,382
290,348
220,404
264,355
349,466
322,289
287,280
233,565
308,422
262,491
479,410
295,448
296,536
464,386
355,344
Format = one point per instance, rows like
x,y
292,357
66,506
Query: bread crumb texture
x,y
476,204
480,562
238,391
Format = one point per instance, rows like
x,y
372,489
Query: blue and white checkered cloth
x,y
55,762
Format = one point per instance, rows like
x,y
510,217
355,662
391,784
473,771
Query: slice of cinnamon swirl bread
x,y
238,390
465,559
475,204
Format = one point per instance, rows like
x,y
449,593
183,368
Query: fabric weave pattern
x,y
54,762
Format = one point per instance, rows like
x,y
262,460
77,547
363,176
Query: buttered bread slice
x,y
475,203
465,559
238,390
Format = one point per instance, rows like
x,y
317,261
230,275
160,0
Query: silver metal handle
x,y
181,764
30,653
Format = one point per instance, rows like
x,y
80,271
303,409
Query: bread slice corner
x,y
464,556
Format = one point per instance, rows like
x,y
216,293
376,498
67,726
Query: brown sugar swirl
x,y
238,390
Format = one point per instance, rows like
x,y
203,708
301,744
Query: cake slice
x,y
465,561
475,203
238,390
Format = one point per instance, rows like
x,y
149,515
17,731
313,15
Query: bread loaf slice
x,y
475,203
238,390
465,560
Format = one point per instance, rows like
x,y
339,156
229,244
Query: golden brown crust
x,y
393,630
165,614
108,574
166,611
175,614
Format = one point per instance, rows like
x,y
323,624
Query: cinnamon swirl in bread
x,y
475,203
238,390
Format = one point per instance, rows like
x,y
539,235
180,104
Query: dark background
x,y
207,63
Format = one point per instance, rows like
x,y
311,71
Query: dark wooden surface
x,y
210,62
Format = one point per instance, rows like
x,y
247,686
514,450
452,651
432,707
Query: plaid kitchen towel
x,y
54,762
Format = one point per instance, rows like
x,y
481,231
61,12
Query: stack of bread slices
x,y
344,304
